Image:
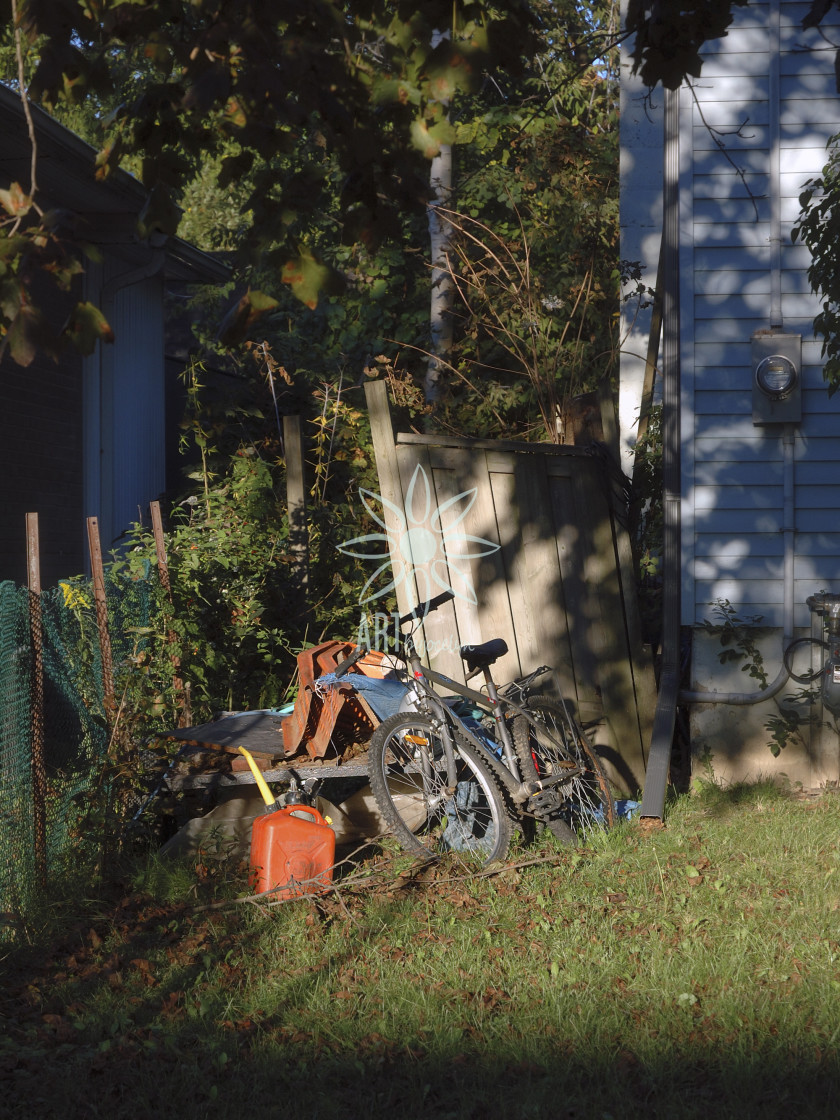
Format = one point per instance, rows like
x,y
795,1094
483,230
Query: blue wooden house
x,y
758,440
90,436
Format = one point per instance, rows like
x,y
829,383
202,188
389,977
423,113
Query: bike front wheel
x,y
554,745
408,776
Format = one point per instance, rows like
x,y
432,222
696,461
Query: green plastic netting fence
x,y
75,732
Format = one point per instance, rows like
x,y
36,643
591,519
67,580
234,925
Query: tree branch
x,y
27,111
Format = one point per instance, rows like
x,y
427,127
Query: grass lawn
x,y
692,972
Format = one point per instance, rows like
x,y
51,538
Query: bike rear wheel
x,y
554,744
407,767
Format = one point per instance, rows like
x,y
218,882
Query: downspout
x,y
744,699
132,277
659,757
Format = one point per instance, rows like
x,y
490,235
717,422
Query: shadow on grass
x,y
720,799
69,1050
155,1009
233,1074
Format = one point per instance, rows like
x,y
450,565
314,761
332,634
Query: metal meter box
x,y
776,377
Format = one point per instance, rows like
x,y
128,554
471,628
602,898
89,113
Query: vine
x,y
739,639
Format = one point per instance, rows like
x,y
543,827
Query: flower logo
x,y
421,548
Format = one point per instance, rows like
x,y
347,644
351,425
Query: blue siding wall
x,y
139,456
732,470
125,454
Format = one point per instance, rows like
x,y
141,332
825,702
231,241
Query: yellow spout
x,y
267,796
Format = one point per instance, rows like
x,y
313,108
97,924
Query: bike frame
x,y
496,706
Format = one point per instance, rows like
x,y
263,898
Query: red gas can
x,y
292,850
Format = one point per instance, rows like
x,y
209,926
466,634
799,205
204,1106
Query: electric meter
x,y
776,376
777,390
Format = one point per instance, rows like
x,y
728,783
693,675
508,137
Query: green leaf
x,y
15,201
308,277
261,302
27,332
394,89
423,140
237,323
87,326
12,246
108,158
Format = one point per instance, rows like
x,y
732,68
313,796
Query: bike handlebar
x,y
423,609
418,613
350,661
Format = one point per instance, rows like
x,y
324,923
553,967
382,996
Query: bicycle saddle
x,y
478,657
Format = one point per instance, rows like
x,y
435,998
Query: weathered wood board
x,y
527,538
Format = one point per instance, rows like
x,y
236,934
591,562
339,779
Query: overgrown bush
x,y
226,628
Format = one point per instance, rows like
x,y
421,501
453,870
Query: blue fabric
x,y
626,810
286,710
384,697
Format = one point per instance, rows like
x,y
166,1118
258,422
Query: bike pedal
x,y
544,801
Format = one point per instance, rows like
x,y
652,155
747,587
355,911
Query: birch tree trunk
x,y
442,287
440,235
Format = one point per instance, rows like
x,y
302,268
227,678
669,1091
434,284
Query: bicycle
x,y
453,773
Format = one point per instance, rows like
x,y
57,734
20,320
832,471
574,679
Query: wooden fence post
x,y
36,630
98,573
160,548
181,690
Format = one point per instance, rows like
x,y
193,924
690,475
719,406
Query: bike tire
x,y
583,804
407,771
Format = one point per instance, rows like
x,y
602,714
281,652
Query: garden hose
x,y
804,678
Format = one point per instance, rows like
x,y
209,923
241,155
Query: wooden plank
x,y
641,663
511,521
580,602
553,589
607,631
390,487
551,449
538,595
448,627
487,574
260,732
